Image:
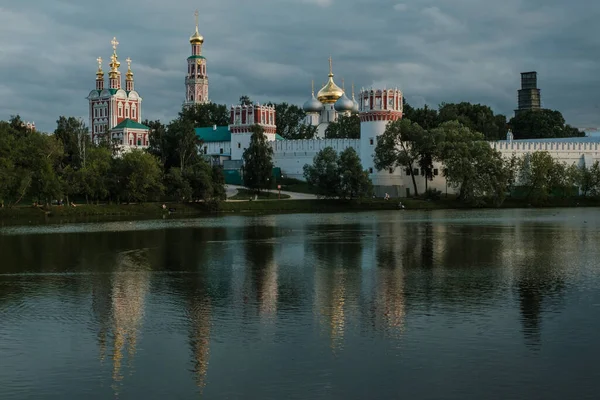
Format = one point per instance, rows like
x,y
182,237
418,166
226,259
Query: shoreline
x,y
86,212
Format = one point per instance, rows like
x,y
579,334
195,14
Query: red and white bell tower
x,y
196,80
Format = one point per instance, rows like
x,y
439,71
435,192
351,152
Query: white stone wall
x,y
239,143
292,155
214,148
567,152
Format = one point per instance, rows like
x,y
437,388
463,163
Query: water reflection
x,y
243,295
336,255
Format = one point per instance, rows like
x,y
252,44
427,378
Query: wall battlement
x,y
545,146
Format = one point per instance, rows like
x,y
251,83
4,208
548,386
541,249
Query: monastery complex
x,y
118,111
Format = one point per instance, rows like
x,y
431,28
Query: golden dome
x,y
196,38
331,92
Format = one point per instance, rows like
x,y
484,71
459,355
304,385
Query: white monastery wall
x,y
217,148
292,155
579,153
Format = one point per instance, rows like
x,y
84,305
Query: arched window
x,y
120,110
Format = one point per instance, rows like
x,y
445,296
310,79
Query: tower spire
x,y
129,76
114,74
99,75
330,68
312,87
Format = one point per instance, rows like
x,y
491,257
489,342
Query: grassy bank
x,y
244,194
154,210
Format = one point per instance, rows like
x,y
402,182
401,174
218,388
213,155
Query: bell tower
x,y
196,80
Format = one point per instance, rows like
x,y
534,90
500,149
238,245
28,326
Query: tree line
x,y
66,165
479,173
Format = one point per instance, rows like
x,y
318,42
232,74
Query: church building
x,y
116,113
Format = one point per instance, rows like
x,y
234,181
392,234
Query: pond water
x,y
492,304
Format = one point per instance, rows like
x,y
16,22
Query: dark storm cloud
x,y
434,50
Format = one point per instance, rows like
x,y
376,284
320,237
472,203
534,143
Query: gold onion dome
x,y
196,38
331,92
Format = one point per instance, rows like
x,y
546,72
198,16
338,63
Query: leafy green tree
x,y
588,179
246,101
543,123
201,115
324,173
535,174
258,161
289,119
199,176
476,117
176,186
139,176
218,183
159,144
354,181
93,177
397,147
183,136
470,164
426,117
74,136
346,127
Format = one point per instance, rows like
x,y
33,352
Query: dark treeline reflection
x,y
364,274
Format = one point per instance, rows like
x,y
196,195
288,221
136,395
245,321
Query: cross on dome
x,y
99,59
114,43
196,14
128,60
330,67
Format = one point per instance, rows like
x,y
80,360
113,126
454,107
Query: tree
x,y
534,173
258,161
176,186
245,101
139,176
74,136
218,183
200,115
199,176
426,117
354,181
290,122
470,164
396,147
184,143
476,117
543,123
93,177
346,127
324,173
158,140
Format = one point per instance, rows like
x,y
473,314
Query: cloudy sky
x,y
434,50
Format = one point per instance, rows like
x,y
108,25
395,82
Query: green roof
x,y
279,137
202,57
209,134
130,124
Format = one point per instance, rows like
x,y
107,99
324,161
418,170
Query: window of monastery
x,y
391,170
221,150
239,145
416,171
407,171
370,170
133,111
120,110
435,171
126,112
371,141
205,149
